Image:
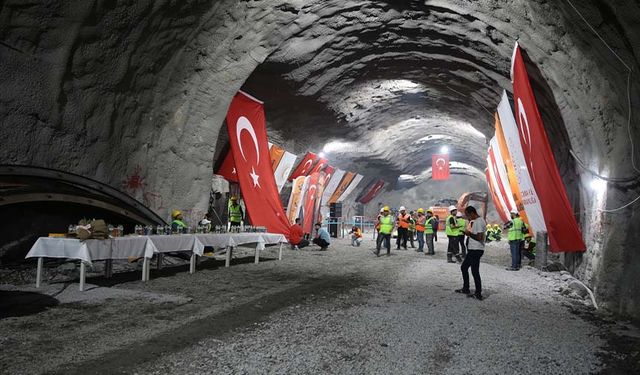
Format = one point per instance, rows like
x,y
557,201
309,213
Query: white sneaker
x,y
296,247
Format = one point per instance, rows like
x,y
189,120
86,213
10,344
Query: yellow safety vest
x,y
462,223
429,225
448,230
386,224
515,231
234,213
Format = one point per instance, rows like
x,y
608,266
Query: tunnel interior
x,y
113,90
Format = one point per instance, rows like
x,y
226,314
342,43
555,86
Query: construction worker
x,y
452,230
386,225
431,231
515,229
420,229
177,223
490,234
403,228
235,212
411,233
356,236
497,232
529,248
462,223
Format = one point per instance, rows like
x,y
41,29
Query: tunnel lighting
x,y
444,150
334,146
321,154
598,185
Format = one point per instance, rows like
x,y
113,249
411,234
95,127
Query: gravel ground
x,y
339,311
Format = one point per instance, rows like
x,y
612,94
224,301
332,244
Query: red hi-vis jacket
x,y
403,221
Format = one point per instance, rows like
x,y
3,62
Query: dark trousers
x,y
301,244
410,236
526,253
402,237
515,253
387,242
461,243
453,248
472,260
320,242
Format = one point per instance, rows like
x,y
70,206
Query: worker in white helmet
x,y
403,221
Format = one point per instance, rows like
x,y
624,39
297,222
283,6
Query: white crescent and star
x,y
244,124
438,160
304,167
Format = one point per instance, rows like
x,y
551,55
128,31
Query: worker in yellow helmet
x,y
386,225
421,219
177,223
431,231
236,215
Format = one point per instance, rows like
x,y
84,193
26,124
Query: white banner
x,y
295,200
331,187
502,175
351,188
284,169
496,186
529,196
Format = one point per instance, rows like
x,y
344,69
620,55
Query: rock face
x,y
134,94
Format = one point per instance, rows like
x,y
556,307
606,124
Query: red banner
x,y
562,228
322,163
371,192
248,137
440,166
310,203
228,168
494,198
305,166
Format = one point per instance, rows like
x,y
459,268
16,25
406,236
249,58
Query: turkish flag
x,y
310,202
372,192
440,166
305,166
248,138
228,168
322,163
564,234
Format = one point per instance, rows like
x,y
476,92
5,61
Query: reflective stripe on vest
x,y
515,231
420,223
429,225
179,223
448,230
386,224
403,221
234,214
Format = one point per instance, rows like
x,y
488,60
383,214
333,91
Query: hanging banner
x,y
371,192
276,153
562,228
284,168
496,186
322,163
248,138
511,173
295,199
501,173
309,203
228,168
352,186
342,186
440,166
494,197
329,189
305,166
322,181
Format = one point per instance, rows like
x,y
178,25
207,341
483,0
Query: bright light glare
x,y
598,184
335,146
444,150
321,154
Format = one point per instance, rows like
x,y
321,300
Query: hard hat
x,y
175,213
382,210
452,207
514,212
385,208
402,208
459,214
430,211
420,210
234,198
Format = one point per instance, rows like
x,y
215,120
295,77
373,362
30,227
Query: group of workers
x,y
421,224
521,242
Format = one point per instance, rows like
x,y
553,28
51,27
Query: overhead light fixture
x,y
444,150
321,154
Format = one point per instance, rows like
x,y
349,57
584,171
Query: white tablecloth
x,y
145,246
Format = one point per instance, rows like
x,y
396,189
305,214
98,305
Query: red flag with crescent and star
x,y
322,163
371,192
440,166
310,202
305,166
564,232
228,168
250,148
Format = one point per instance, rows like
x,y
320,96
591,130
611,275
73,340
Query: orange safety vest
x,y
403,221
420,223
